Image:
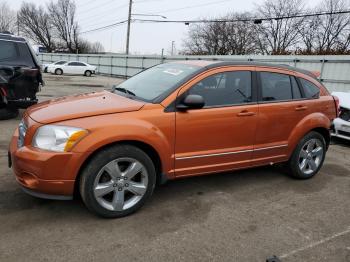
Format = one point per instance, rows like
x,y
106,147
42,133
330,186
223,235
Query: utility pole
x,y
172,47
17,25
129,24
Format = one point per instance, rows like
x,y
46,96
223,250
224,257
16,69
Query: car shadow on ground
x,y
187,197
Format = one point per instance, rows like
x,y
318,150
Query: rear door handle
x,y
300,108
246,113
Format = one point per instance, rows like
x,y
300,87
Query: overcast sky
x,y
147,38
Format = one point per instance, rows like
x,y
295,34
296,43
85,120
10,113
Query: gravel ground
x,y
241,216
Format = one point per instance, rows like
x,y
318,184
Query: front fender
x,y
308,123
130,129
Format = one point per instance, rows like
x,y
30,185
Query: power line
x,y
251,19
110,11
190,7
105,27
87,11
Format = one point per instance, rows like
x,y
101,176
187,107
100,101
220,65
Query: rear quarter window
x,y
310,89
8,50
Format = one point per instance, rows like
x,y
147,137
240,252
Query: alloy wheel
x,y
311,156
120,184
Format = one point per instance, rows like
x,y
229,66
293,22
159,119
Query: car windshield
x,y
153,82
60,62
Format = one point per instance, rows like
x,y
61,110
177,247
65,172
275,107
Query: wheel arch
x,y
147,148
317,122
325,133
58,69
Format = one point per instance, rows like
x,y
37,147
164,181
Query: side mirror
x,y
191,102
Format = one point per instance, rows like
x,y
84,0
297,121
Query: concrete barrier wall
x,y
335,70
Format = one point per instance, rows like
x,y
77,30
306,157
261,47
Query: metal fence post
x,y
111,65
126,66
99,64
322,68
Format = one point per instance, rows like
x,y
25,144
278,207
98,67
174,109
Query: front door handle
x,y
300,108
246,113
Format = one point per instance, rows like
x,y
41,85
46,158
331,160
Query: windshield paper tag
x,y
172,71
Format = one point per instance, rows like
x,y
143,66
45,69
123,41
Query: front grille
x,y
22,129
343,133
344,114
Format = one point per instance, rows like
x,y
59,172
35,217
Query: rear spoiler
x,y
316,74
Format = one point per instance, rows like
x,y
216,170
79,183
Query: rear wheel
x,y
117,181
58,71
308,157
88,73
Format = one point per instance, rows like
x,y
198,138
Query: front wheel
x,y
88,73
117,181
58,71
307,159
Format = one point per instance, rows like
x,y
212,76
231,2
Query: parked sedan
x,y
45,66
341,125
72,68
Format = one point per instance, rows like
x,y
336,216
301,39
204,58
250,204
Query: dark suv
x,y
20,76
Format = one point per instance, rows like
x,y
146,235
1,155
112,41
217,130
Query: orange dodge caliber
x,y
171,121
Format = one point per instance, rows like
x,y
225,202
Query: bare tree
x,y
279,36
96,48
62,15
327,34
7,18
86,47
222,38
331,34
35,24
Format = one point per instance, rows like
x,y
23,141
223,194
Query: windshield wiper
x,y
126,91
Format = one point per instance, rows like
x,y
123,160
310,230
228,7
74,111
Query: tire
x,y
308,157
88,73
45,70
58,71
8,113
111,194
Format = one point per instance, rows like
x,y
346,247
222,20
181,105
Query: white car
x,y
341,125
45,66
72,68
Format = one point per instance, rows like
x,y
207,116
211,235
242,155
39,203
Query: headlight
x,y
57,138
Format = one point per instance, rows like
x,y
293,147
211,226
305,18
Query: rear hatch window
x,y
8,50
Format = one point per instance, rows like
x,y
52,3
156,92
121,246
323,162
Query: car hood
x,y
344,99
82,105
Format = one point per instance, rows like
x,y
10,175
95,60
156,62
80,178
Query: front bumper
x,y
41,173
341,129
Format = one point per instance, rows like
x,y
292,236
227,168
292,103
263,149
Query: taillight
x,y
3,91
30,71
337,105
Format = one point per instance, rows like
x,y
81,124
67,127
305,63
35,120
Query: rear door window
x,y
275,87
310,89
8,50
